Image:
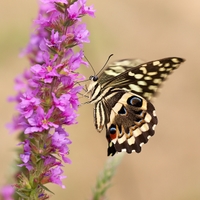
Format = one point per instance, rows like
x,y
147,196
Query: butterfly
x,y
121,96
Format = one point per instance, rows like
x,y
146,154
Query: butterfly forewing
x,y
121,96
143,79
118,67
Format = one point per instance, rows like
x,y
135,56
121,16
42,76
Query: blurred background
x,y
168,167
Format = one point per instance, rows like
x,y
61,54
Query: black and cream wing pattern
x,y
122,94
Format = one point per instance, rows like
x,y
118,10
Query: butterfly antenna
x,y
105,64
90,65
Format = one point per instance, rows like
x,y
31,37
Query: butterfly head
x,y
93,78
93,89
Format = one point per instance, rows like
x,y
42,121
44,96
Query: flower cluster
x,y
47,92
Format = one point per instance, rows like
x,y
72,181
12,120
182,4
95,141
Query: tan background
x,y
169,166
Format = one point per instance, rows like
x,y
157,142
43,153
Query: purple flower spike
x,y
47,93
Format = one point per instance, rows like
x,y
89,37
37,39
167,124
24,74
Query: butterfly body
x,y
121,96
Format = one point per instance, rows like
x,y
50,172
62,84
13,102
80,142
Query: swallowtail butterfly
x,y
121,94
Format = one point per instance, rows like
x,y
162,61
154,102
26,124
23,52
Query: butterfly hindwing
x,y
130,123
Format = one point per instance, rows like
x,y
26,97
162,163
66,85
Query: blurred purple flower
x,y
6,192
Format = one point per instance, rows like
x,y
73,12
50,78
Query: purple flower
x,y
60,141
40,121
7,192
74,11
89,10
68,81
15,124
69,117
78,9
50,161
62,103
55,176
25,157
80,33
46,72
76,60
55,40
74,98
33,48
28,104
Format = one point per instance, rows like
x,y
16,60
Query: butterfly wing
x,y
143,79
118,67
130,121
121,95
